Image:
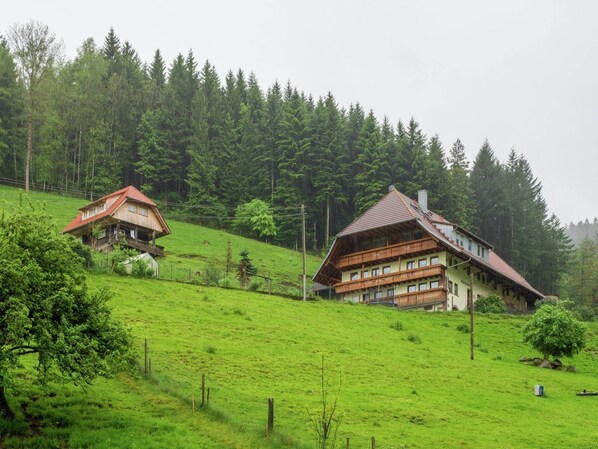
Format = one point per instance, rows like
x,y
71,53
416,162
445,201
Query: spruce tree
x,y
460,204
372,178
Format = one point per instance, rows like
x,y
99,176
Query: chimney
x,y
422,199
391,188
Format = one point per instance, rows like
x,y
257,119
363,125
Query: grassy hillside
x,y
190,248
412,388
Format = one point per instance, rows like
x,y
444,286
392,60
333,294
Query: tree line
x,y
201,146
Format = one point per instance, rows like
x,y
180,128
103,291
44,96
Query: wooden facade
x,y
126,217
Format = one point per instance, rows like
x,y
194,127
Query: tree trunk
x,y
5,410
29,150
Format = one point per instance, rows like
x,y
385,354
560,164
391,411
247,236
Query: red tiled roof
x,y
122,194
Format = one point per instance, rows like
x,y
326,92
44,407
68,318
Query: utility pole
x,y
471,313
304,255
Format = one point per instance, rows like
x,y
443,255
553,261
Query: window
x,y
434,260
366,273
422,263
456,289
450,286
375,271
102,234
366,296
411,265
434,284
390,292
354,275
423,286
386,270
142,211
378,295
411,288
132,208
469,244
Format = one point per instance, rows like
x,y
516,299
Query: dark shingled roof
x,y
391,209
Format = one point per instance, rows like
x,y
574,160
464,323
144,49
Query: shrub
x,y
224,283
413,338
210,349
140,268
398,326
210,275
554,331
490,304
255,286
463,328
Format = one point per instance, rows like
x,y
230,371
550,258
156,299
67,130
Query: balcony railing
x,y
421,298
386,253
429,297
155,250
391,278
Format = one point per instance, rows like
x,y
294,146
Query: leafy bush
x,y
398,326
554,331
464,328
224,283
210,275
414,338
141,269
490,304
255,286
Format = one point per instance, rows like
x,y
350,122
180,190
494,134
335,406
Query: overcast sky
x,y
523,74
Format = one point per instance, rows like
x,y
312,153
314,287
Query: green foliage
x,y
554,331
255,219
141,269
117,256
463,328
211,275
46,309
490,304
245,269
397,325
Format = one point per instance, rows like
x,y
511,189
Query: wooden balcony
x,y
387,253
129,242
391,278
421,298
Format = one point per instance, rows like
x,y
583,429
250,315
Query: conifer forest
x,y
201,145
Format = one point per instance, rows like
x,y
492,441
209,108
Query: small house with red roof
x,y
401,254
126,217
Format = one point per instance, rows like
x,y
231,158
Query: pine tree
x,y
372,178
460,205
434,176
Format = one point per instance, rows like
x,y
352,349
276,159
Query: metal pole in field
x,y
471,314
304,255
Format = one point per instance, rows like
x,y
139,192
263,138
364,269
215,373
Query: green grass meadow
x,y
404,378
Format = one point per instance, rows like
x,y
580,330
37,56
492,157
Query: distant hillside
x,y
582,230
190,249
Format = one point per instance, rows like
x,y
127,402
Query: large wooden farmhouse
x,y
400,253
126,217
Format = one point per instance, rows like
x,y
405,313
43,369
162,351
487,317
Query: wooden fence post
x,y
145,357
203,390
373,442
347,447
270,416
